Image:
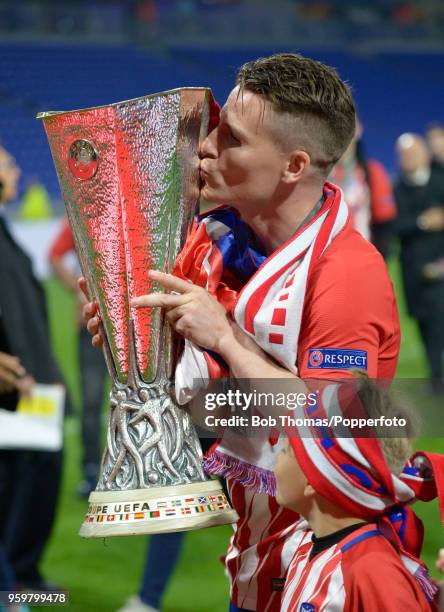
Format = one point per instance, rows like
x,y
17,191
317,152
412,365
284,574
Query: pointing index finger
x,y
168,281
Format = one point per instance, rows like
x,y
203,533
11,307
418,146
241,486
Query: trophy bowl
x,y
129,175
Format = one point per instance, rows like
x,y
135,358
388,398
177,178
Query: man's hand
x,y
12,374
24,385
90,315
81,302
191,311
432,219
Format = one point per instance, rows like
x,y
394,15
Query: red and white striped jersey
x,y
265,540
363,571
342,312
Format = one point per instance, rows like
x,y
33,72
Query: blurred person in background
x,y
435,141
7,585
419,194
36,203
93,373
368,192
29,479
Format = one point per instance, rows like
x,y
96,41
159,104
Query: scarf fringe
x,y
426,583
250,476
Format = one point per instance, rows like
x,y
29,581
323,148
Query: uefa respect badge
x,y
337,359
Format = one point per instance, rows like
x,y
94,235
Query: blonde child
x,y
359,540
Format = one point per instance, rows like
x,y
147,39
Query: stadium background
x,y
66,55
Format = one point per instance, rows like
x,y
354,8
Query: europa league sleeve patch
x,y
336,359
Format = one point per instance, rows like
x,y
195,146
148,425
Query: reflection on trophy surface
x,y
129,177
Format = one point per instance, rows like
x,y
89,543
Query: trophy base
x,y
158,510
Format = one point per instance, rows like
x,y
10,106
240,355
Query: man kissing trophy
x,y
129,174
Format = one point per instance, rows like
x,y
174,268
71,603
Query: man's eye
x,y
228,134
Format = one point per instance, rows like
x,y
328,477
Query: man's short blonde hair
x,y
314,105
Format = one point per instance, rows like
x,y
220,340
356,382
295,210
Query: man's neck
x,y
274,226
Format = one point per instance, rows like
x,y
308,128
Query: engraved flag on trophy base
x,y
129,174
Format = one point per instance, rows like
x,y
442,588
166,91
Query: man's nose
x,y
208,146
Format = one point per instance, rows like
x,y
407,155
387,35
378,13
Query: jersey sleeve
x,y
350,318
63,243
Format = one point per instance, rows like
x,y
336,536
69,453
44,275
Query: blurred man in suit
x,y
419,195
435,141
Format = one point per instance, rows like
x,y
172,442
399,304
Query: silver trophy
x,y
129,174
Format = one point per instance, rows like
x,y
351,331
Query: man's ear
x,y
298,162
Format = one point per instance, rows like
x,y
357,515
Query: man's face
x,y
412,154
241,163
435,139
9,176
290,481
